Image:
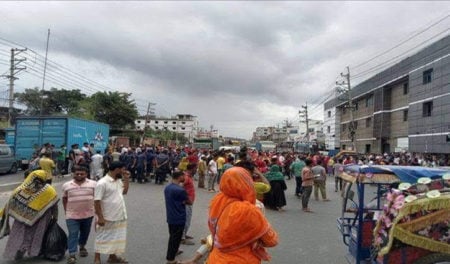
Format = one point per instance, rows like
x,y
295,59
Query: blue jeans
x,y
78,233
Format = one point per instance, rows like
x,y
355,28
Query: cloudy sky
x,y
234,65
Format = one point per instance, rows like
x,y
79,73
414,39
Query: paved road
x,y
304,238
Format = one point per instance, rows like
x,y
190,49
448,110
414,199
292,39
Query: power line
x,y
385,63
402,42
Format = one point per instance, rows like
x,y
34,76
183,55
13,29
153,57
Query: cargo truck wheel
x,y
13,168
435,258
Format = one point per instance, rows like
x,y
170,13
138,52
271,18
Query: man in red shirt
x,y
190,190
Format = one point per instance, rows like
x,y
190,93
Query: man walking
x,y
307,185
96,166
78,203
111,212
176,198
296,168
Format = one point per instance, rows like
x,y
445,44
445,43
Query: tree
x,y
51,102
113,108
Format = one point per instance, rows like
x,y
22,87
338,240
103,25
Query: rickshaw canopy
x,y
391,173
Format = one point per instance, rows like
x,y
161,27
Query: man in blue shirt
x,y
176,199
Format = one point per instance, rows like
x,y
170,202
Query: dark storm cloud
x,y
263,59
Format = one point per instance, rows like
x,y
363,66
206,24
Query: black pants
x,y
298,186
176,233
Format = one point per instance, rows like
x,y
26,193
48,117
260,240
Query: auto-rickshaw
x,y
396,214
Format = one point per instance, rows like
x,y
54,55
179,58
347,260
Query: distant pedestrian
x,y
190,190
296,168
320,177
338,170
176,198
112,215
96,166
307,185
212,173
78,203
201,171
48,165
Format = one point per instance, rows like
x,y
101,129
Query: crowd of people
x,y
244,183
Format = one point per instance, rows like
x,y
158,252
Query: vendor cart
x,y
395,214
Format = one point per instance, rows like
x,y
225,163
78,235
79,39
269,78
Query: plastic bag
x,y
54,245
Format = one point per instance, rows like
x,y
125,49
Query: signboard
x,y
403,143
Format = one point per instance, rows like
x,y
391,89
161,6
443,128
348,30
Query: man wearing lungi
x,y
111,214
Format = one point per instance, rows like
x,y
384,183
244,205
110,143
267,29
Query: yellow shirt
x,y
220,162
47,165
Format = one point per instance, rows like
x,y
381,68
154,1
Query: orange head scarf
x,y
234,220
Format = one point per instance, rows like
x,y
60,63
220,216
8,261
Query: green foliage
x,y
113,108
51,102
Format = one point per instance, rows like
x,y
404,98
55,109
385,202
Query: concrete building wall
x,y
427,133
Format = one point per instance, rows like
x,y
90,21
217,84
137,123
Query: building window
x,y
405,88
427,108
405,115
165,122
156,122
369,101
174,122
183,122
355,125
344,109
356,106
329,113
369,122
328,129
183,128
139,121
427,76
368,149
174,128
344,127
156,128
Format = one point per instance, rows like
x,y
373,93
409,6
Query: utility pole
x,y
346,89
13,71
304,114
43,77
150,111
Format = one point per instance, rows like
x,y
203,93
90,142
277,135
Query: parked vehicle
x,y
33,132
406,222
8,163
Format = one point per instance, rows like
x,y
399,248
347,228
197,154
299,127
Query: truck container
x,y
10,136
32,132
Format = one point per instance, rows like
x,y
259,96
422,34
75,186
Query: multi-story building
x,y
315,128
405,107
185,124
263,133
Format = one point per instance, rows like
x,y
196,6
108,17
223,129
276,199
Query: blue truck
x,y
33,132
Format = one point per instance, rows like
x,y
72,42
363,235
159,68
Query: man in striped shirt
x,y
78,202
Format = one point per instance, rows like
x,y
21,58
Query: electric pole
x,y
304,114
150,111
13,71
346,89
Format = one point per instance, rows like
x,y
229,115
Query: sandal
x,y
83,252
72,260
117,260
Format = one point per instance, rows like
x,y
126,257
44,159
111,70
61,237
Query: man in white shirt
x,y
111,212
95,166
212,173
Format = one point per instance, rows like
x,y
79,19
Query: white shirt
x,y
109,192
96,161
212,166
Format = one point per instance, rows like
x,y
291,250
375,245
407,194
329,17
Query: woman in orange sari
x,y
239,229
